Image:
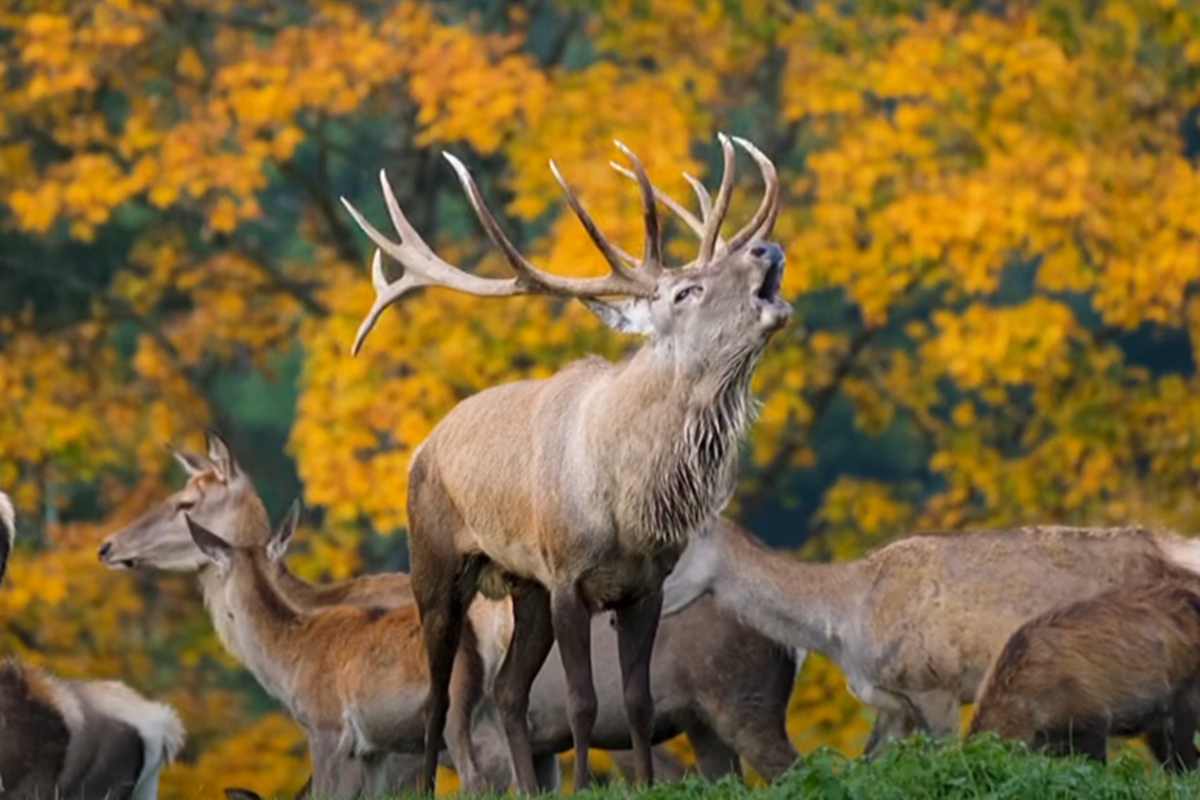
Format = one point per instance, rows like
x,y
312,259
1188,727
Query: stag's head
x,y
218,494
721,308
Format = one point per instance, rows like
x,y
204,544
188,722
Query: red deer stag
x,y
915,625
77,739
1124,662
578,492
727,690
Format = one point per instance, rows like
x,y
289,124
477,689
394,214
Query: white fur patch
x,y
157,724
8,518
1184,552
63,696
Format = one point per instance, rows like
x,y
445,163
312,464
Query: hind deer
x,y
77,739
577,493
728,689
915,625
1122,663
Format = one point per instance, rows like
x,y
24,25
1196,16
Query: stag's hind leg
x,y
533,636
637,625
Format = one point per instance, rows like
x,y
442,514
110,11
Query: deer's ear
x,y
222,456
192,464
282,536
216,549
626,316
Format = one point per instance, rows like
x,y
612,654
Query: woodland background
x,y
992,217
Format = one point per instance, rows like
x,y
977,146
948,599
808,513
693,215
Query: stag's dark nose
x,y
769,251
105,549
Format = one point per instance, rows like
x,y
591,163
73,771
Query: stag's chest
x,y
625,578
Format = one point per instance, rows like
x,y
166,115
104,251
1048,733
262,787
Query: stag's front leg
x,y
532,639
573,632
637,625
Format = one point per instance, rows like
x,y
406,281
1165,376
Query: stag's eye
x,y
688,291
185,505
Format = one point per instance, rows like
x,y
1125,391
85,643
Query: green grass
x,y
919,768
923,769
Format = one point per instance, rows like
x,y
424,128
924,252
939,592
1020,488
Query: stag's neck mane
x,y
681,430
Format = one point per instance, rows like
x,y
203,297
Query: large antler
x,y
712,215
422,267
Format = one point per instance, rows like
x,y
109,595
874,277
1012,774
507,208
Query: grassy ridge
x,y
919,768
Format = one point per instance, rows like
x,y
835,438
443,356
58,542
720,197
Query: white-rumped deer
x,y
915,625
727,689
578,492
77,739
1124,662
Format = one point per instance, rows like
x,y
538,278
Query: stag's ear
x,y
222,456
626,316
192,464
219,551
282,536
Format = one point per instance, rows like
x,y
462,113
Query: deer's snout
x,y
105,549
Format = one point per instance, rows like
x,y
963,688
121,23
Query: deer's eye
x,y
688,291
185,505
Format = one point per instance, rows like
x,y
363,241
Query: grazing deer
x,y
578,492
1124,662
915,625
77,739
727,689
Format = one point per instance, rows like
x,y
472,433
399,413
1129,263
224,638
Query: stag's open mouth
x,y
769,290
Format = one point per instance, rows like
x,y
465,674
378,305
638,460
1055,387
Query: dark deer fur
x,y
1124,662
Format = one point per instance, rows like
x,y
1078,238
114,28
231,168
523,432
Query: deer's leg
x,y
1173,739
549,776
637,626
466,693
573,632
533,636
439,596
714,757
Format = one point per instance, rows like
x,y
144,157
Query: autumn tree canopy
x,y
991,212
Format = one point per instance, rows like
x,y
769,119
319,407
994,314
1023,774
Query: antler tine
x,y
385,294
712,225
652,261
615,257
701,195
764,217
671,203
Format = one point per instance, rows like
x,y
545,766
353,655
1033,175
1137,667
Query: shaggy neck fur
x,y
694,479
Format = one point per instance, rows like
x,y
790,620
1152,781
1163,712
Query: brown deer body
x,y
579,491
727,689
355,678
1123,662
915,625
77,739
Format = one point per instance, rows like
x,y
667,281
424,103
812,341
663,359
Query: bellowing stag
x,y
577,493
